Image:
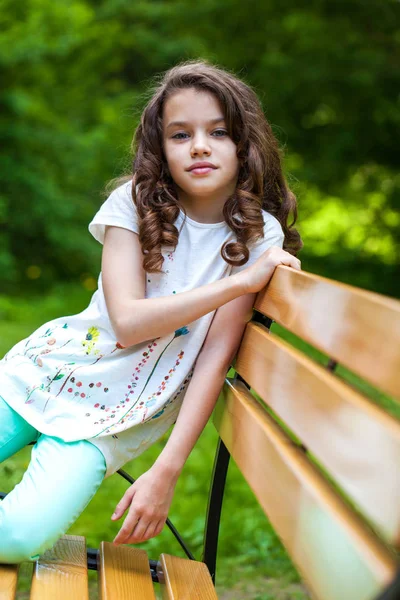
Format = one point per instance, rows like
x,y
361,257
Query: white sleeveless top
x,y
73,380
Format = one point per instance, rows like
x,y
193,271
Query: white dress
x,y
72,379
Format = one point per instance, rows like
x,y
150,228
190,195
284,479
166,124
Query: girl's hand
x,y
148,499
258,275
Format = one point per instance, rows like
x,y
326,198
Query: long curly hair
x,y
260,184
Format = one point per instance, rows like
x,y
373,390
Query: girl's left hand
x,y
148,499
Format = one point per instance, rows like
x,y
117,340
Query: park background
x,y
74,79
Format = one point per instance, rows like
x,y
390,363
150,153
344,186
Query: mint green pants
x,y
61,479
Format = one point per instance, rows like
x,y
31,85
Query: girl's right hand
x,y
256,277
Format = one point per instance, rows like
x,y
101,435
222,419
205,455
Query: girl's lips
x,y
201,170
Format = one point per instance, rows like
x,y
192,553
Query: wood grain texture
x,y
358,328
61,572
124,573
357,442
8,581
338,556
185,579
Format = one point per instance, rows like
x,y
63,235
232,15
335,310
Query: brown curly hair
x,y
260,184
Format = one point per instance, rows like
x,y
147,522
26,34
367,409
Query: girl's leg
x,y
15,432
60,481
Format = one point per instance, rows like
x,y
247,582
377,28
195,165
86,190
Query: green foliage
x,y
74,81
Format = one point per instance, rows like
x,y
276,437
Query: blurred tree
x,y
65,92
74,75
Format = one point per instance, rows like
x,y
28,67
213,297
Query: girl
x,y
188,240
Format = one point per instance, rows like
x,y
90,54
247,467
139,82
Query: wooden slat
x,y
8,581
61,572
339,557
124,573
184,579
355,440
359,329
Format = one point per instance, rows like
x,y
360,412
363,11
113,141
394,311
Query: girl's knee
x,y
18,547
31,522
22,543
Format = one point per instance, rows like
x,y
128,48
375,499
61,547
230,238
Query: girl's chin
x,y
201,190
205,183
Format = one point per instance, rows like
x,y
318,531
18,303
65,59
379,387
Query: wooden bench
x,y
321,458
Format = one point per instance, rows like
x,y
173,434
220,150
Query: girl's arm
x,y
154,317
213,362
150,497
136,319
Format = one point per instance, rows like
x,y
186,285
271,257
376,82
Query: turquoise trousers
x,y
61,479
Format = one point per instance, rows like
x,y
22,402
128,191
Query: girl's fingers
x,y
297,264
123,504
127,528
150,531
137,531
159,527
293,262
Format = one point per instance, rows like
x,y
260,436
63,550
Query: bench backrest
x,y
320,456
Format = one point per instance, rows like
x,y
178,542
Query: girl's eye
x,y
219,131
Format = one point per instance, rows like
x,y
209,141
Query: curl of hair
x,y
260,185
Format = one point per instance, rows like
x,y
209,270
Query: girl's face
x,y
194,130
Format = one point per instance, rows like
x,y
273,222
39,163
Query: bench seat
x,y
123,574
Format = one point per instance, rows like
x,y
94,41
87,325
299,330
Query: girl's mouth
x,y
202,170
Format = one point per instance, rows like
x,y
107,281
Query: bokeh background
x,y
74,79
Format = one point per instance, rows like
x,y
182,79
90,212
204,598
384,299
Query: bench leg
x,y
214,507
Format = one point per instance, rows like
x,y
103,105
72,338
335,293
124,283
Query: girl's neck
x,y
207,209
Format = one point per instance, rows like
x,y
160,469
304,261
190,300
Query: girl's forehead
x,y
191,105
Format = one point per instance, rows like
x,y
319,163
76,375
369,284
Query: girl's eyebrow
x,y
183,123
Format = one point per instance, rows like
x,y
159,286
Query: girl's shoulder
x,y
273,236
272,228
118,209
270,219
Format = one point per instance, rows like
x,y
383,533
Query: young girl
x,y
188,240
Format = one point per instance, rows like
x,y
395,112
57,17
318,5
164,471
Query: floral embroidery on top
x,y
81,389
37,352
93,331
90,341
140,405
186,381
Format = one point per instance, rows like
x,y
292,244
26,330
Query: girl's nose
x,y
200,145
